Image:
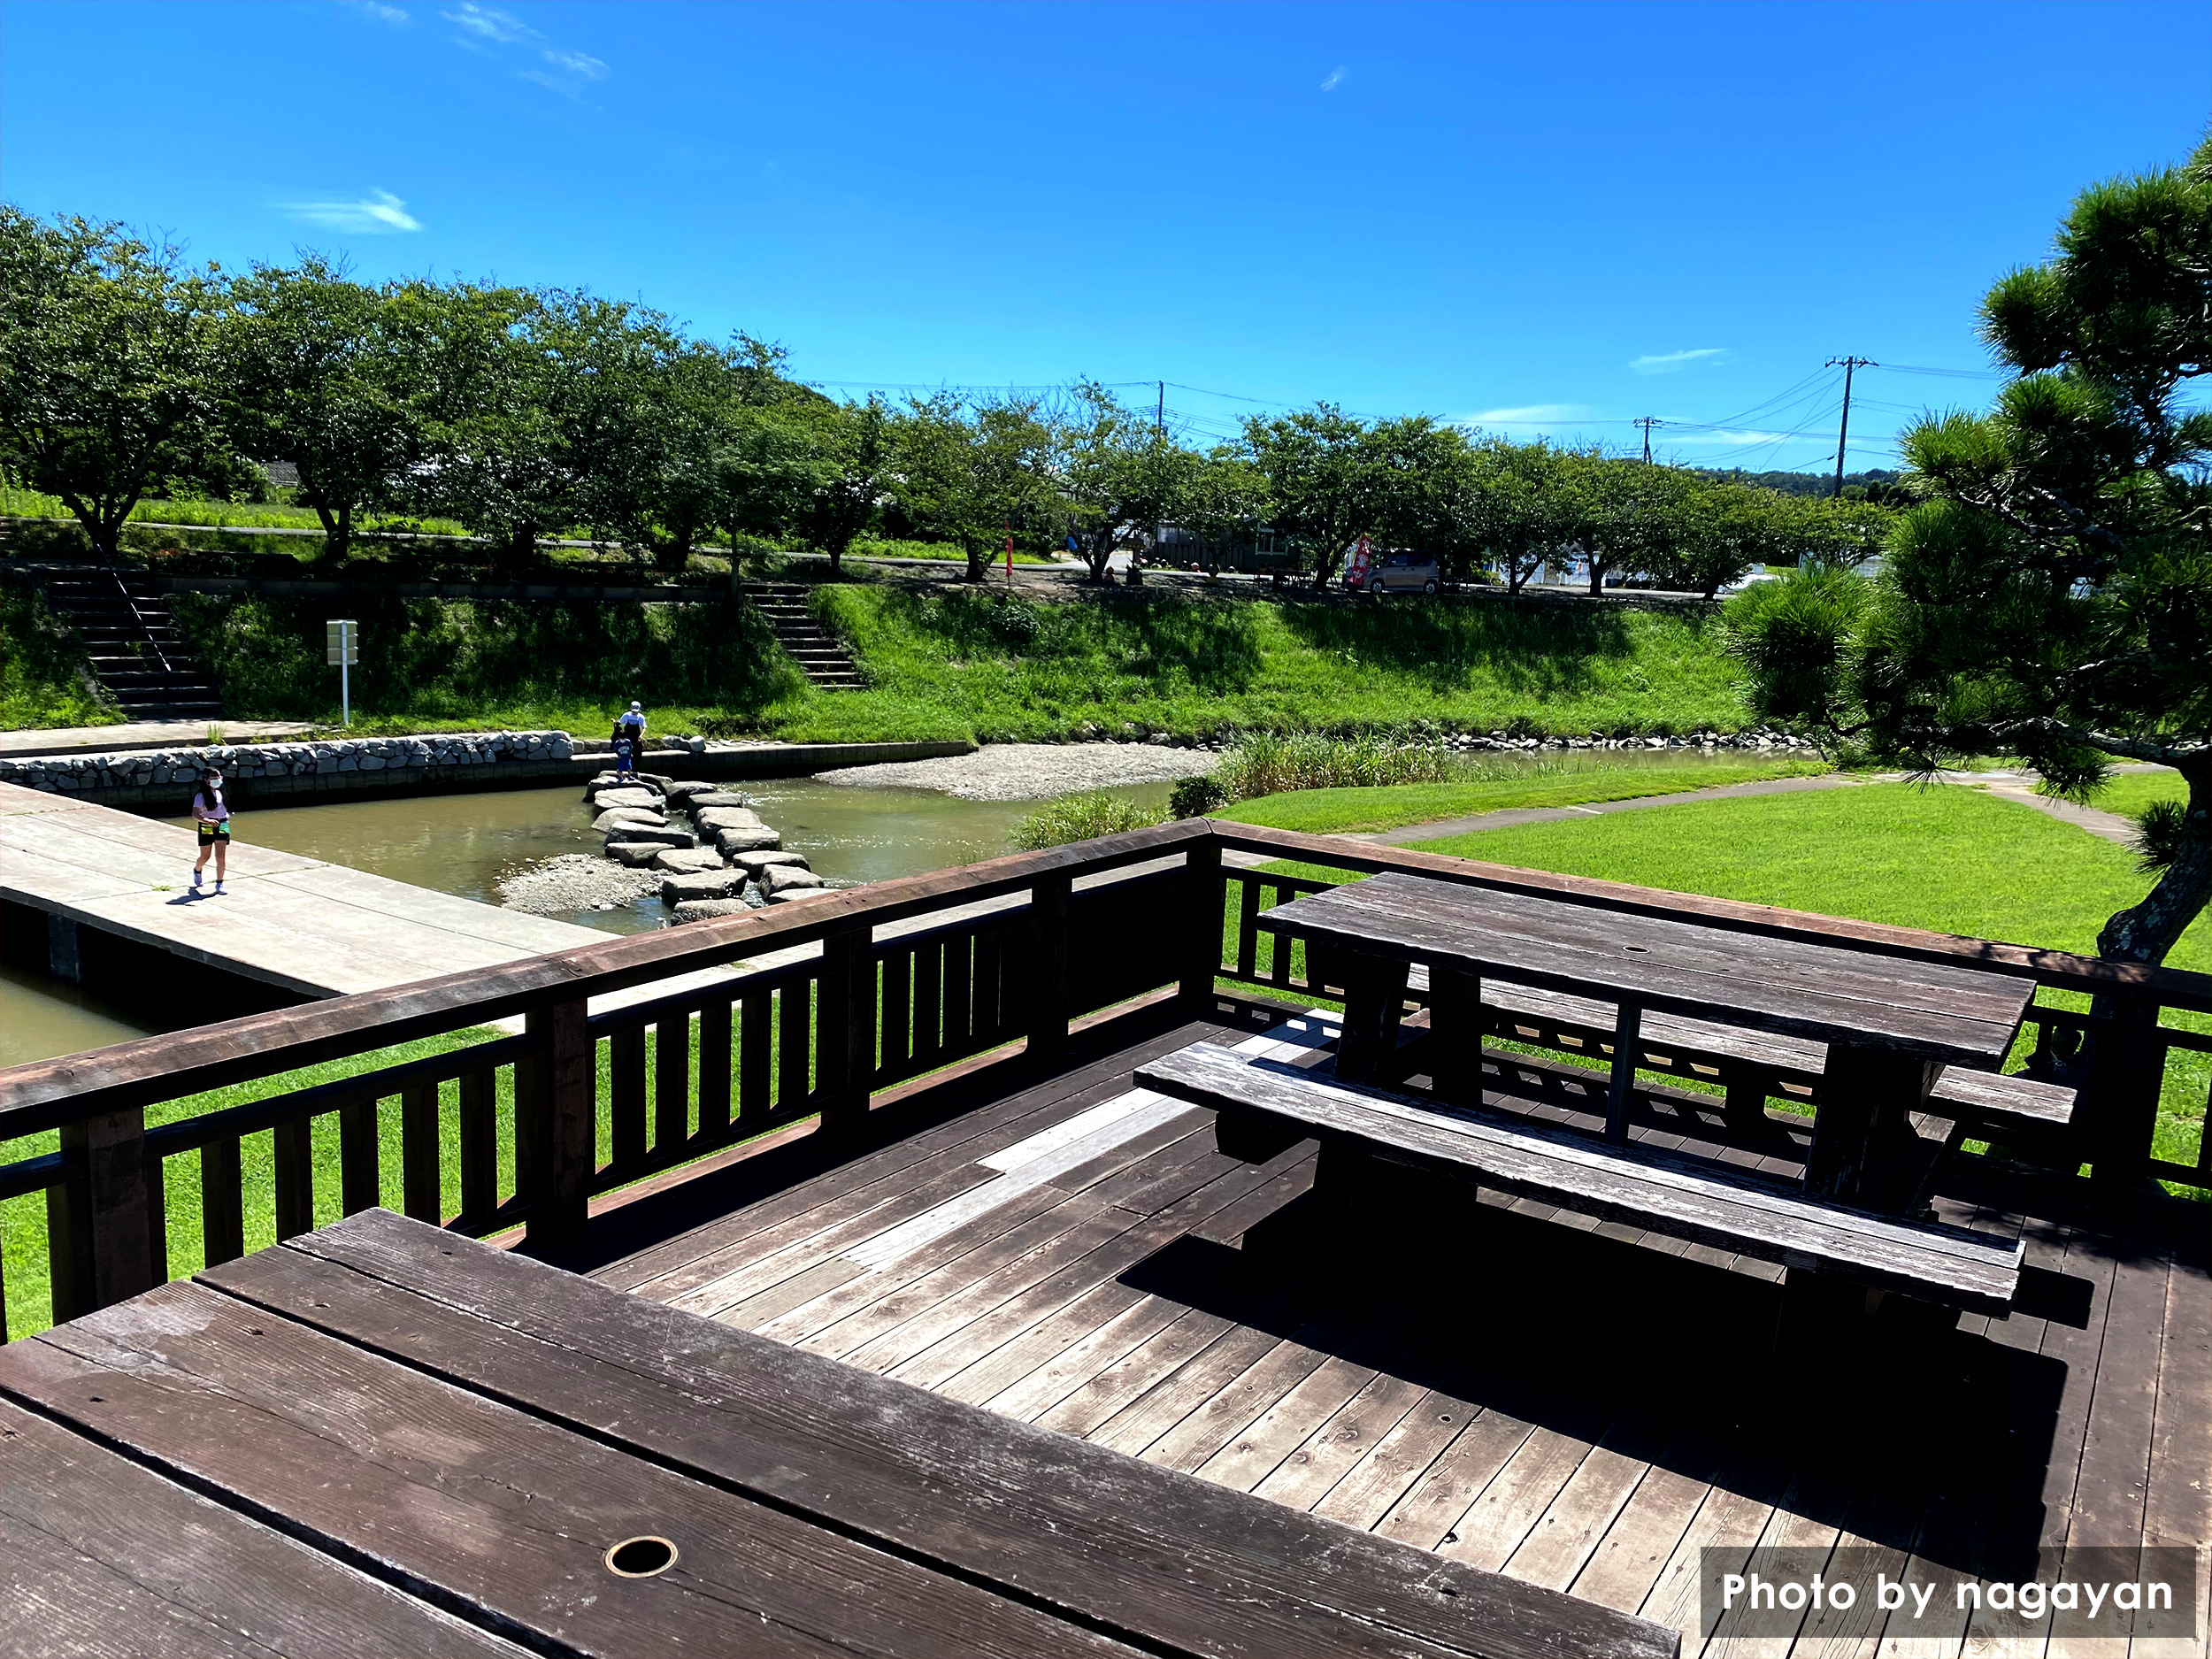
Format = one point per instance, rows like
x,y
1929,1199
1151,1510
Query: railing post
x,y
2124,1076
99,1225
557,1114
1048,979
845,1028
1202,950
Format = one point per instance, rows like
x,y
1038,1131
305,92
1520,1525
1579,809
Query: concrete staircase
x,y
133,644
808,644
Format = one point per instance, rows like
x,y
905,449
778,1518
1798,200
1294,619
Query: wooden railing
x,y
864,989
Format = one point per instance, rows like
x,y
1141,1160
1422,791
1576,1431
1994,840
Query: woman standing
x,y
212,813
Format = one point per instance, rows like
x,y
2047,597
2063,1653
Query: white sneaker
x,y
218,890
195,881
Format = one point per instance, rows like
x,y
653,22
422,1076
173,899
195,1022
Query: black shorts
x,y
214,834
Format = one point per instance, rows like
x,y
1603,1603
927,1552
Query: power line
x,y
1648,422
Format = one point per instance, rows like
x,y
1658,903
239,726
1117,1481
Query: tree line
x,y
525,413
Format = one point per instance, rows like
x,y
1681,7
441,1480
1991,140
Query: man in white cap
x,y
629,740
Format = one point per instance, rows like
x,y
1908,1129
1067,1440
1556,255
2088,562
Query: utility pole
x,y
1648,422
1843,432
1159,420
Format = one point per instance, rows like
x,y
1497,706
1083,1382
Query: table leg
x,y
1456,1036
1865,1094
1374,998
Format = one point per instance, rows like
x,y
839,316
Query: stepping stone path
x,y
707,870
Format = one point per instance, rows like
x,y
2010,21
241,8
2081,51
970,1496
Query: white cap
x,y
638,706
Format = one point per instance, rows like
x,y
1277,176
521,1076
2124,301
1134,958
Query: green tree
x,y
108,380
1628,517
1121,476
1325,485
311,376
971,473
2051,595
851,472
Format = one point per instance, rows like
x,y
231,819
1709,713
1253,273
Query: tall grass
x,y
1078,818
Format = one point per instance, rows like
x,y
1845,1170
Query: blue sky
x,y
1546,218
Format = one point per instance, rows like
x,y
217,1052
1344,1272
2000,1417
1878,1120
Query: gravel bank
x,y
575,882
1033,772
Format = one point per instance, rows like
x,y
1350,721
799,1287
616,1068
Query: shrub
x,y
1263,764
1079,818
1195,797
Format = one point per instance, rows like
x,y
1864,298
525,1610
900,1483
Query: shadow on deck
x,y
1576,1405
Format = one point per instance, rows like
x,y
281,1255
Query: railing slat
x,y
990,1012
359,1184
222,1201
294,1177
672,1083
626,1102
480,1143
795,1043
98,1226
557,1118
959,993
714,1067
421,1175
898,998
929,1003
1248,925
756,1049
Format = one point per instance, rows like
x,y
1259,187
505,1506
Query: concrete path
x,y
137,734
313,928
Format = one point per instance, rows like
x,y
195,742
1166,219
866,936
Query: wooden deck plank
x,y
1349,1436
1257,1449
1567,1534
1380,1480
1119,1386
2177,1505
104,1556
1201,1432
1627,1560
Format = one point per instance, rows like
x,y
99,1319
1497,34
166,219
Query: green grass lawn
x,y
1950,859
1333,811
2128,792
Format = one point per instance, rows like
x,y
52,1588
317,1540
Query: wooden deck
x,y
1574,1405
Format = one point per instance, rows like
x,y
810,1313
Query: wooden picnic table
x,y
383,1437
1891,1024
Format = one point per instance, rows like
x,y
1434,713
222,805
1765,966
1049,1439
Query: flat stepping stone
x,y
707,910
636,854
684,791
754,863
717,798
645,832
620,815
731,842
707,883
793,896
605,800
687,861
726,818
780,879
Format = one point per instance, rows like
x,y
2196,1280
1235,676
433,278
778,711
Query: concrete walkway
x,y
137,735
313,928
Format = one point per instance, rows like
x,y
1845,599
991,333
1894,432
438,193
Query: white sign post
x,y
342,644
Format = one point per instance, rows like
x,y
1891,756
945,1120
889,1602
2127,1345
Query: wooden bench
x,y
1264,1109
1752,1065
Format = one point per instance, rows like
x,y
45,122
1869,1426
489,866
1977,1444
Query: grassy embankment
x,y
982,665
41,668
967,664
1952,860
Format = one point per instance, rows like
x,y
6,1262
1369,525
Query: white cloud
x,y
578,64
483,28
1335,79
394,15
1668,362
378,214
1528,414
490,23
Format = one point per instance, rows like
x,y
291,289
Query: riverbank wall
x,y
161,781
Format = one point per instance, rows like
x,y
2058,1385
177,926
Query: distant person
x,y
210,814
629,740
